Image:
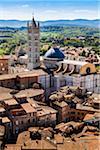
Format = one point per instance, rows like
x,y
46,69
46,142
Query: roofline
x,y
56,59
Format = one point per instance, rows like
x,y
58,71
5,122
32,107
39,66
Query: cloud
x,y
50,11
25,6
82,11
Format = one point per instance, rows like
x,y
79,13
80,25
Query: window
x,y
96,104
36,60
30,49
96,82
17,122
28,120
82,113
3,69
36,37
47,118
1,64
10,124
36,44
72,112
17,129
38,119
29,37
78,118
88,70
29,43
31,114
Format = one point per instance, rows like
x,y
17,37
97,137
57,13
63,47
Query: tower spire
x,y
33,20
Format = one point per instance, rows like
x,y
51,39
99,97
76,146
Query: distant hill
x,y
77,22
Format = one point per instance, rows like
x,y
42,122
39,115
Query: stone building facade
x,y
4,64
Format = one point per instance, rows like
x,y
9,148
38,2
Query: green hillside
x,y
65,36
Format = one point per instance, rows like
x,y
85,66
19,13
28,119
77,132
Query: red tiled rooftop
x,y
39,144
29,93
5,90
12,147
7,76
11,102
5,57
33,73
5,96
28,108
5,120
2,109
88,117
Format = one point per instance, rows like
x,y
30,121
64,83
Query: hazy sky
x,y
49,9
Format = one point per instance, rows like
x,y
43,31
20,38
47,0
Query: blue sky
x,y
49,9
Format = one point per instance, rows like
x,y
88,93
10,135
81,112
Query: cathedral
x,y
54,58
64,71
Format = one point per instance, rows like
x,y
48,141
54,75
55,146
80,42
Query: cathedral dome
x,y
54,53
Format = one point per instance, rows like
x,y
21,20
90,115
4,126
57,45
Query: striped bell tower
x,y
34,45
